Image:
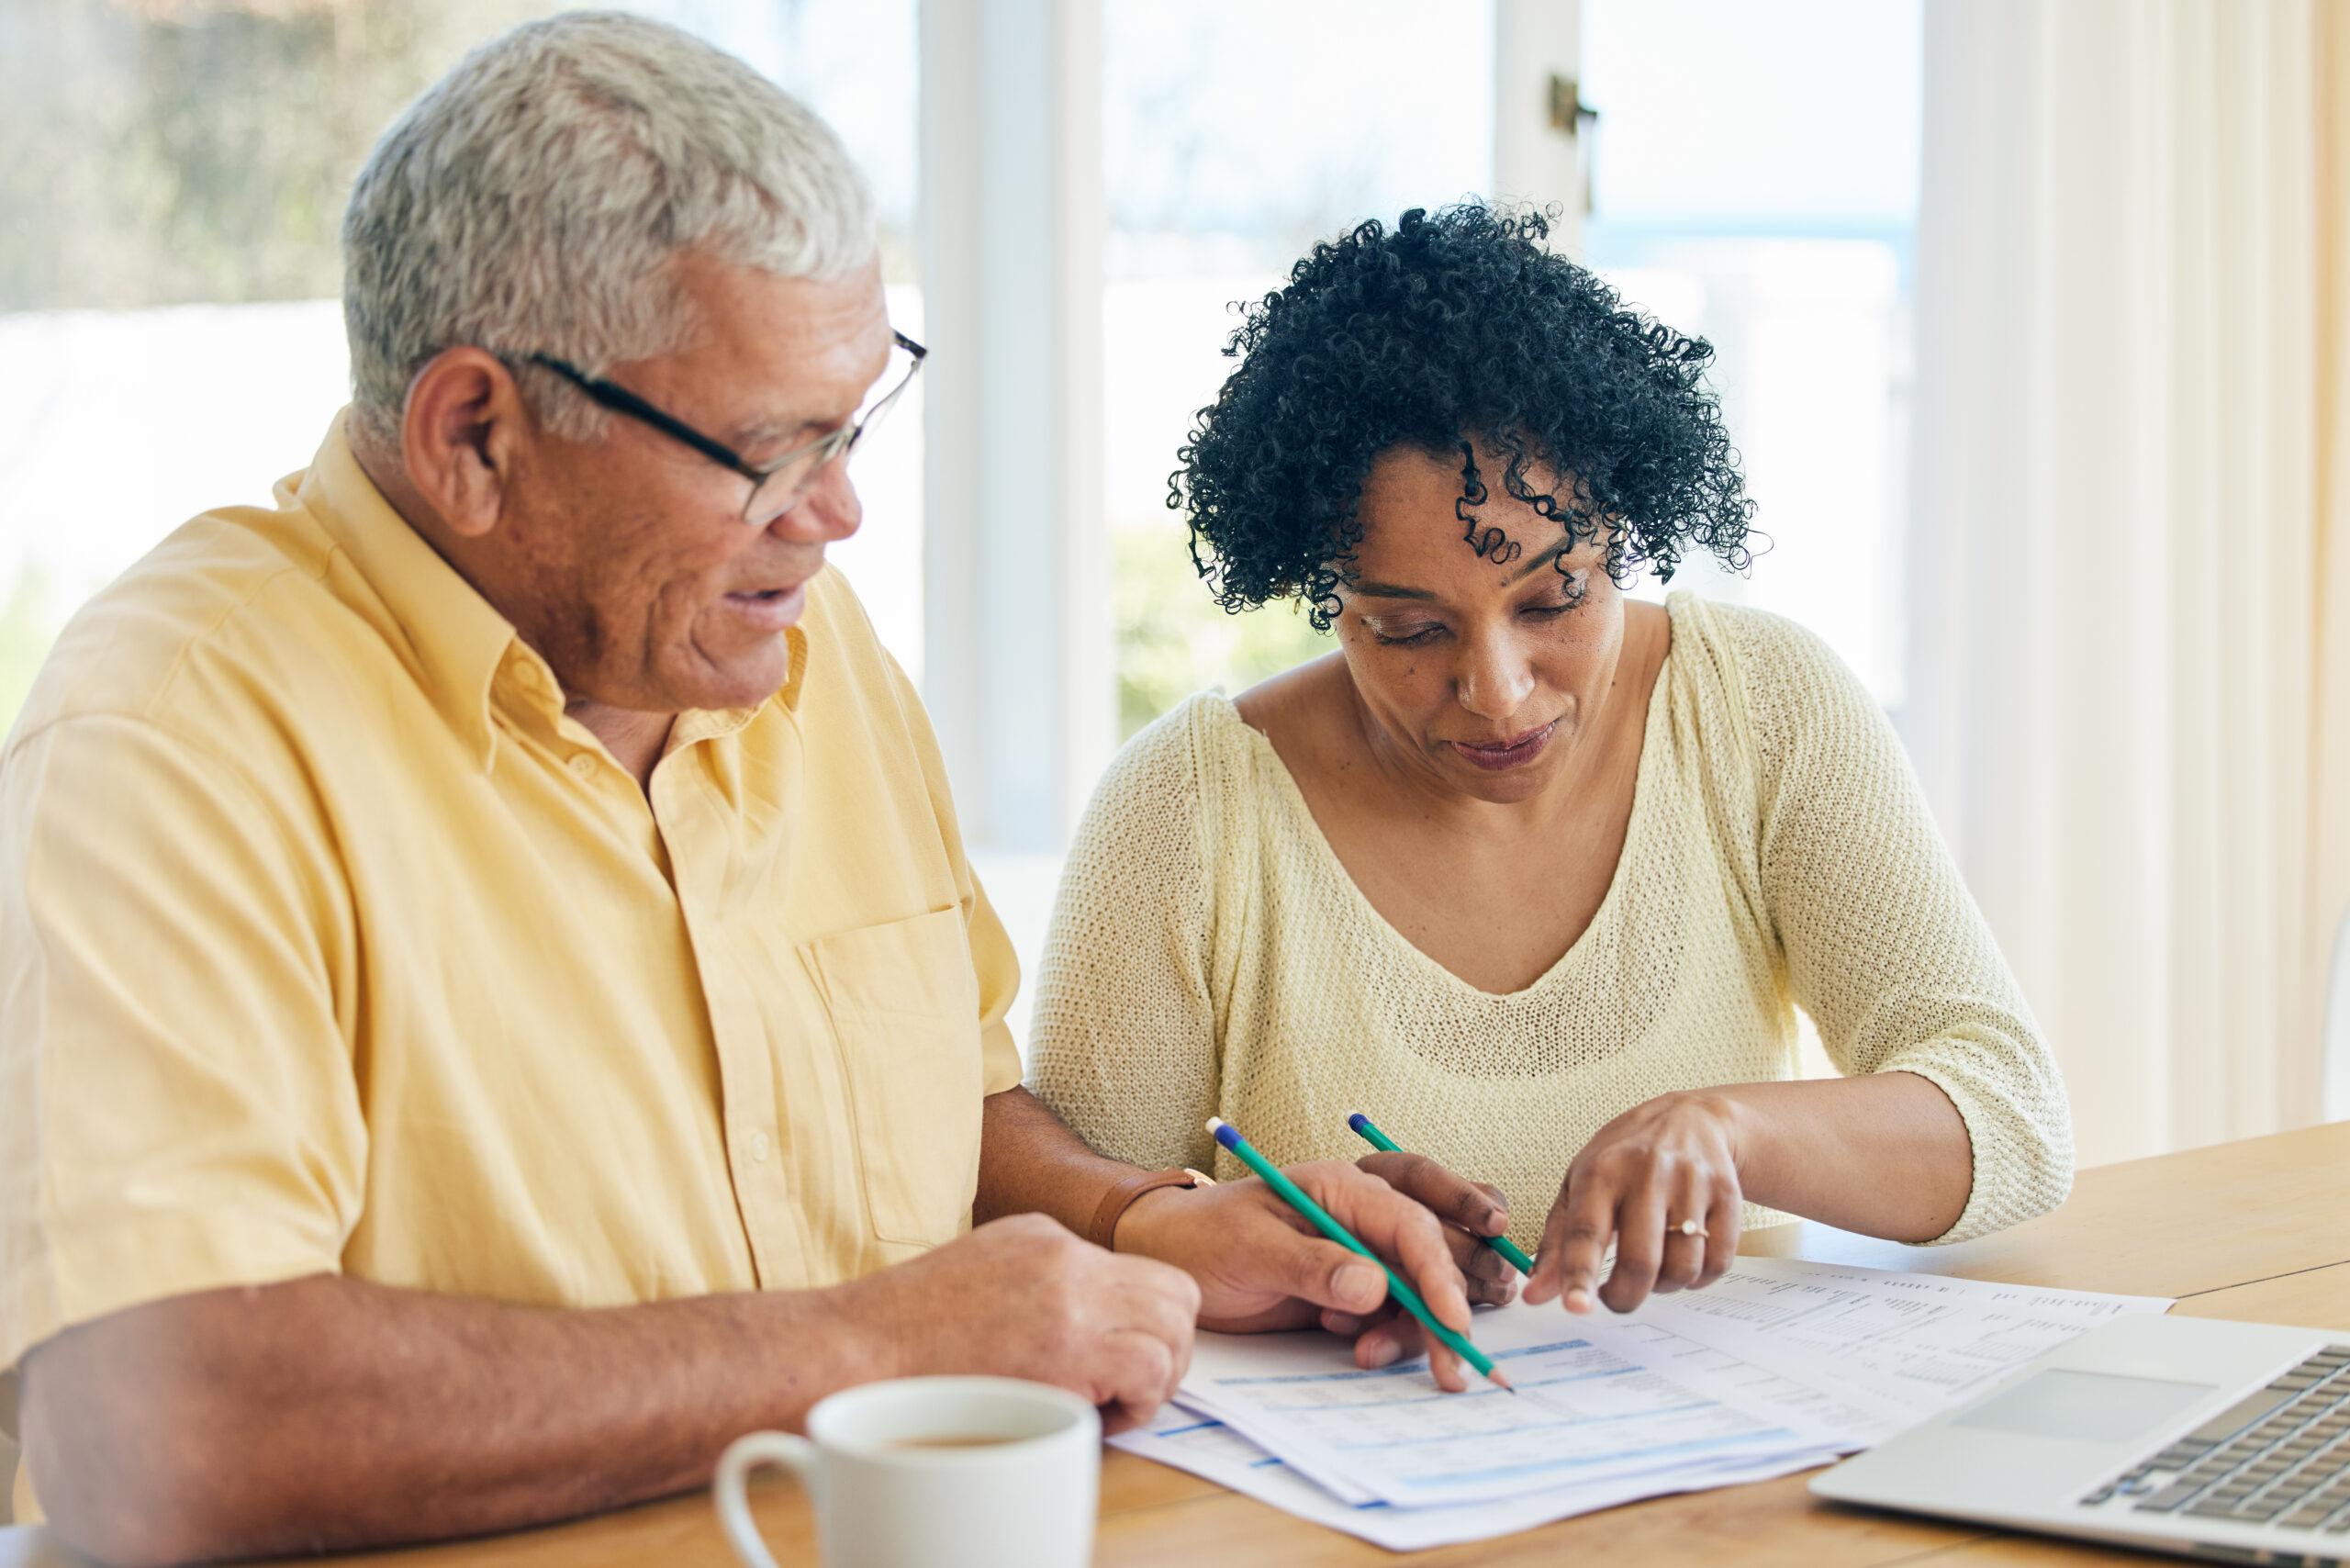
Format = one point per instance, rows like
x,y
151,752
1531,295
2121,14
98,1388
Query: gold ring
x,y
1690,1227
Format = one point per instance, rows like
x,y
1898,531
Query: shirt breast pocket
x,y
905,1011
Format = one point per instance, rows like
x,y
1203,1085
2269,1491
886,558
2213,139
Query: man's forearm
x,y
1031,1162
1887,1154
325,1412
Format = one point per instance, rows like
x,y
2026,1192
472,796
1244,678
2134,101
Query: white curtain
x,y
2130,579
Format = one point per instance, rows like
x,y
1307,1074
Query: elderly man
x,y
492,1000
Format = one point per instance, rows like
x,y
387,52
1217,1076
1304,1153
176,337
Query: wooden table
x,y
2257,1230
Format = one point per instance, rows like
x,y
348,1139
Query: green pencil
x,y
1229,1136
1501,1244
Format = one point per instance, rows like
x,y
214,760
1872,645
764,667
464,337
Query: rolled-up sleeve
x,y
1884,946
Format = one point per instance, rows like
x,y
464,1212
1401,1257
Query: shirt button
x,y
583,764
759,1146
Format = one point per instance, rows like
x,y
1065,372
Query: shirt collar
x,y
454,639
458,643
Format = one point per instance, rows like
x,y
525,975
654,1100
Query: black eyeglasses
x,y
777,487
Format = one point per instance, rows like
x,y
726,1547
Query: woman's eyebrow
x,y
1388,590
1544,559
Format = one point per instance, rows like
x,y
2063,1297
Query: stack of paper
x,y
1902,1346
1780,1366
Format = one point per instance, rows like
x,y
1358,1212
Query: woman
x,y
1534,874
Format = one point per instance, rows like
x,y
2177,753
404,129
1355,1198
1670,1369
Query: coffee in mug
x,y
972,1472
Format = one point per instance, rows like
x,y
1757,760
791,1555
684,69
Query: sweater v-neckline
x,y
1643,790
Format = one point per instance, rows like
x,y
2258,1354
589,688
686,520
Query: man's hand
x,y
1260,1265
1663,1161
1468,1212
1021,1298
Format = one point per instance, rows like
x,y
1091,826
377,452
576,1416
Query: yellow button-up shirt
x,y
329,944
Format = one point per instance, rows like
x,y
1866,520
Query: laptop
x,y
2222,1440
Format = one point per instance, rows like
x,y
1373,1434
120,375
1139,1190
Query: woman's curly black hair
x,y
1451,326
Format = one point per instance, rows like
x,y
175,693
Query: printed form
x,y
1781,1365
1596,1400
1208,1448
1907,1345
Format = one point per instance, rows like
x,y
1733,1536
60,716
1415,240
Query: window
x,y
1235,136
1755,182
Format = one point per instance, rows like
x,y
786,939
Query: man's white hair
x,y
533,199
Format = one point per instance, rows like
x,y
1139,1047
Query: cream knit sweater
x,y
1208,955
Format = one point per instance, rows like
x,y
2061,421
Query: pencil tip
x,y
1501,1382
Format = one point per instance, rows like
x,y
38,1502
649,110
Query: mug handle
x,y
743,1455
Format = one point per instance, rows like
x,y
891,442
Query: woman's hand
x,y
1664,1161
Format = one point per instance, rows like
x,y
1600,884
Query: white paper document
x,y
1209,1449
1781,1365
1596,1400
1908,1345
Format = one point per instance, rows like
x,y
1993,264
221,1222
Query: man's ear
x,y
459,432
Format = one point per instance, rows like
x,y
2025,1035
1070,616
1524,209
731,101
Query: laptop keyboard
x,y
2278,1456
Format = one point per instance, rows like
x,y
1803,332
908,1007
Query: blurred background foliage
x,y
178,152
28,621
1169,631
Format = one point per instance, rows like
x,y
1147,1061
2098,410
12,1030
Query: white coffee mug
x,y
933,1472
